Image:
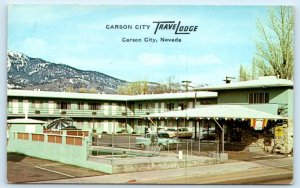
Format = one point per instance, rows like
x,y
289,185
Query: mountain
x,y
25,72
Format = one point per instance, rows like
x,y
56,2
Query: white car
x,y
153,138
171,131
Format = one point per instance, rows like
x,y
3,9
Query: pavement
x,y
231,171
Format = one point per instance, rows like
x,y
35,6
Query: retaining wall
x,y
62,148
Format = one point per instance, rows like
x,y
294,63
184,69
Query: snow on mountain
x,y
34,73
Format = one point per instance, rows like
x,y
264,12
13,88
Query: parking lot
x,y
21,169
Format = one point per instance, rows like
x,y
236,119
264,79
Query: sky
x,y
76,35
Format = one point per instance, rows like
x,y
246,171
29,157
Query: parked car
x,y
181,133
171,131
208,134
153,138
184,133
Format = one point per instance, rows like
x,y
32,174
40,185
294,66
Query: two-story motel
x,y
102,112
106,113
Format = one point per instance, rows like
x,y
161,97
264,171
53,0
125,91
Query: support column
x,y
177,126
195,124
222,133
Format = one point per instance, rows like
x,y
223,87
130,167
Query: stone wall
x,y
266,139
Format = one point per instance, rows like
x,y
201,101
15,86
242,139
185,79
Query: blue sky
x,y
76,35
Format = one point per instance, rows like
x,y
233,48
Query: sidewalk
x,y
157,176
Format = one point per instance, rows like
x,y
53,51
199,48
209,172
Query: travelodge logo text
x,y
178,28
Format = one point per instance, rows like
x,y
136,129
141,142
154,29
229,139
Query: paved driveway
x,y
21,168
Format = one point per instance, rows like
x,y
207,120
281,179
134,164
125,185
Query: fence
x,y
112,146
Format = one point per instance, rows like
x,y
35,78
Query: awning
x,y
218,111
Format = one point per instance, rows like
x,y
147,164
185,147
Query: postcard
x,y
150,94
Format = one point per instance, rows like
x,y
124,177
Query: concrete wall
x,y
65,153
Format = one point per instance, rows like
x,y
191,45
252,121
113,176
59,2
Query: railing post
x,y
191,147
187,149
218,149
129,142
168,147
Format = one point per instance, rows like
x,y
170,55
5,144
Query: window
x,y
170,106
80,105
140,122
140,106
94,106
257,98
64,105
79,124
182,106
205,101
37,104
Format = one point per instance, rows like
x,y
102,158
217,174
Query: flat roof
x,y
217,111
25,121
109,97
261,82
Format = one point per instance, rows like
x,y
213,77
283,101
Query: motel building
x,y
254,114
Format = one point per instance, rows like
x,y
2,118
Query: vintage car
x,y
181,133
184,133
208,134
155,139
171,132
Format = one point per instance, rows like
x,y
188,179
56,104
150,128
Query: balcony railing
x,y
39,112
53,112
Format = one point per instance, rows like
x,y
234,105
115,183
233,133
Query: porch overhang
x,y
216,112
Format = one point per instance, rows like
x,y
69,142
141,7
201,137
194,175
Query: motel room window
x,y
79,124
205,102
141,122
170,106
258,98
94,106
182,106
140,106
36,104
64,105
80,105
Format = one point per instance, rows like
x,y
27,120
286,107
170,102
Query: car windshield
x,y
171,129
184,129
150,135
